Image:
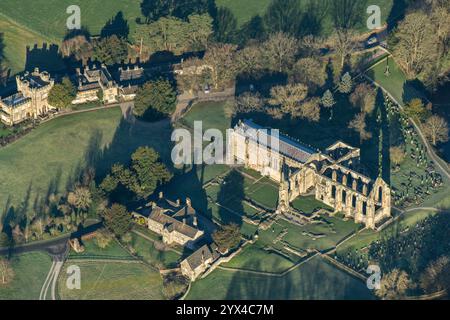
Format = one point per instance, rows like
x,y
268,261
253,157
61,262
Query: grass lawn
x,y
315,279
264,192
308,204
396,83
85,106
146,249
254,257
270,254
245,10
320,236
112,281
30,270
16,38
45,160
212,115
92,251
49,17
5,131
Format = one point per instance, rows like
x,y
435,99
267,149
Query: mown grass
x,y
255,258
315,279
147,251
211,114
30,270
395,83
47,159
92,251
49,17
112,281
308,204
245,10
16,39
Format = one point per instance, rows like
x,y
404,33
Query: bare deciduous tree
x,y
394,285
310,109
343,41
6,272
416,47
280,51
221,61
288,97
250,61
359,125
436,276
397,155
248,102
363,97
436,129
311,72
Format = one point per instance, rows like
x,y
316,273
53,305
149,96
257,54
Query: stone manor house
x,y
175,222
93,83
331,176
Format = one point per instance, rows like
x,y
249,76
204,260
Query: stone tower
x,y
283,196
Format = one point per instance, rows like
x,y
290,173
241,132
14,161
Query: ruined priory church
x,y
332,176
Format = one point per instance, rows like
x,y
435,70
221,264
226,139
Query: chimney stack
x,y
188,202
178,202
195,222
161,195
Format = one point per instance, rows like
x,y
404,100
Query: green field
x,y
34,22
315,279
212,115
255,258
147,251
274,246
48,158
48,17
92,251
308,204
395,83
30,270
112,281
16,39
245,10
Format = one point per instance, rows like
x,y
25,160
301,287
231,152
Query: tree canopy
x,y
155,100
144,174
62,94
117,219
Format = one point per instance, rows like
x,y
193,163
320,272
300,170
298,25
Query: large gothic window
x,y
333,192
344,198
380,194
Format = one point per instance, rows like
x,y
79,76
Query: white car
x,y
372,40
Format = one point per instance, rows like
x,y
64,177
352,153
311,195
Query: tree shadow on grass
x,y
47,58
118,26
189,184
397,13
127,138
313,280
231,197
